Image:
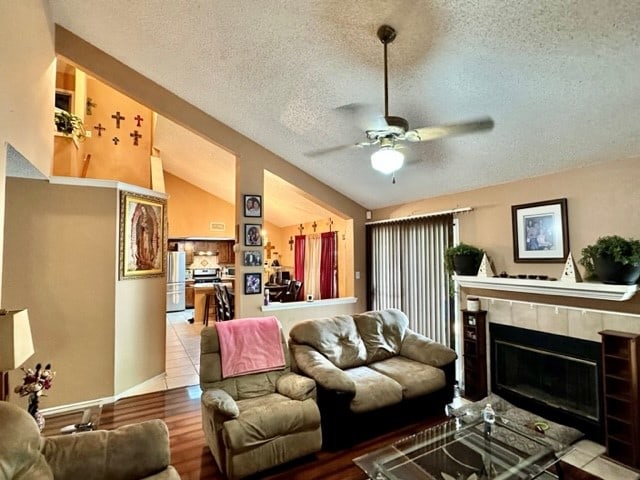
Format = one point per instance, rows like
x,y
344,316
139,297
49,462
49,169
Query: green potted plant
x,y
463,259
69,124
613,259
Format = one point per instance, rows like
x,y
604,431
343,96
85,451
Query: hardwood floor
x,y
180,409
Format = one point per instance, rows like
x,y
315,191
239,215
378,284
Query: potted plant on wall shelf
x,y
69,124
463,259
613,259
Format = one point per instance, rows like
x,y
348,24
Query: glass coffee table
x,y
450,451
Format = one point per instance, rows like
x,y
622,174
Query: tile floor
x,y
183,363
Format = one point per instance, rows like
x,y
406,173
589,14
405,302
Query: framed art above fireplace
x,y
540,232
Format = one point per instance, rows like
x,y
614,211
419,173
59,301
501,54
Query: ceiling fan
x,y
390,131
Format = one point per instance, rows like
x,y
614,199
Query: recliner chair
x,y
256,421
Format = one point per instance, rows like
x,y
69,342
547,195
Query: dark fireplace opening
x,y
554,376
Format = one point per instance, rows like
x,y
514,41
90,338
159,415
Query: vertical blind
x,y
406,271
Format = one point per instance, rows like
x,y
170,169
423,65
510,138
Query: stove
x,y
206,275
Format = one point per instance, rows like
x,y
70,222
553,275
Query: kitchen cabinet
x,y
223,248
474,339
621,371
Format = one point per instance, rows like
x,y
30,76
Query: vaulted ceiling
x,y
558,77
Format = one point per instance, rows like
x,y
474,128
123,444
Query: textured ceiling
x,y
559,78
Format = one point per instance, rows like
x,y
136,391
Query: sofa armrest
x,y
130,452
220,402
422,349
317,366
296,386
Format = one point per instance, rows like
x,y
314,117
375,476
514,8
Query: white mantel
x,y
590,290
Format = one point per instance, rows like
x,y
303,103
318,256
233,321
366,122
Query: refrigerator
x,y
175,281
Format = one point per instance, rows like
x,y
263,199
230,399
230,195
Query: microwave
x,y
231,271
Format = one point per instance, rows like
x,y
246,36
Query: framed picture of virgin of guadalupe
x,y
142,236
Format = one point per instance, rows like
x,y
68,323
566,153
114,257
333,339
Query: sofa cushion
x,y
336,338
416,378
382,332
264,418
373,390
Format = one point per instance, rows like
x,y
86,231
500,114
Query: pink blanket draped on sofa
x,y
250,345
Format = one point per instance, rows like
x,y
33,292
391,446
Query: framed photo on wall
x,y
252,283
142,236
252,258
252,205
540,232
252,235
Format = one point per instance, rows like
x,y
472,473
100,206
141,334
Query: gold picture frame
x,y
143,245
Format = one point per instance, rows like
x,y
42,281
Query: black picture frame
x,y
252,258
540,232
252,283
252,205
253,235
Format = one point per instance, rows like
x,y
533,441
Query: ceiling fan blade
x,y
338,148
431,133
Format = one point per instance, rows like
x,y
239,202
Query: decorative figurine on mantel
x,y
570,273
485,269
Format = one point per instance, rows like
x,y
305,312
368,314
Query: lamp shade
x,y
387,160
16,344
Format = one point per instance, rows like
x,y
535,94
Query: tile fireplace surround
x,y
560,320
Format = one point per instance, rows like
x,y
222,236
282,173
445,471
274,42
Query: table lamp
x,y
16,345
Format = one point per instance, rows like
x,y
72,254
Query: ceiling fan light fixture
x,y
387,160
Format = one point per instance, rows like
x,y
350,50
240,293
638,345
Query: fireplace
x,y
554,376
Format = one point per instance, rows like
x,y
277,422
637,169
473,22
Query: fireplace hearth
x,y
555,376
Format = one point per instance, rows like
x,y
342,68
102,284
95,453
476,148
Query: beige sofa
x,y
372,372
255,421
132,452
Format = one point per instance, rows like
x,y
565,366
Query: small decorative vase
x,y
32,408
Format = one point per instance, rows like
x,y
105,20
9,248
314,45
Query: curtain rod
x,y
424,215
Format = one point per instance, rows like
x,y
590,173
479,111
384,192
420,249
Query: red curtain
x,y
328,266
298,269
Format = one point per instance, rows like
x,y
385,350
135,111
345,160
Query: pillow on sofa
x,y
382,332
560,435
337,338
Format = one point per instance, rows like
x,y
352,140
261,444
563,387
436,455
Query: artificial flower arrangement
x,y
34,384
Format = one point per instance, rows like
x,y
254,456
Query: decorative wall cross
x,y
138,119
118,117
115,140
100,128
330,223
90,105
135,136
291,243
268,247
314,225
300,229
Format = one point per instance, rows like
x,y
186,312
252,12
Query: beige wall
x,y
101,335
64,275
191,210
26,87
601,200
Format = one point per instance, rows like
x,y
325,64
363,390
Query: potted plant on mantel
x,y
463,259
613,259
